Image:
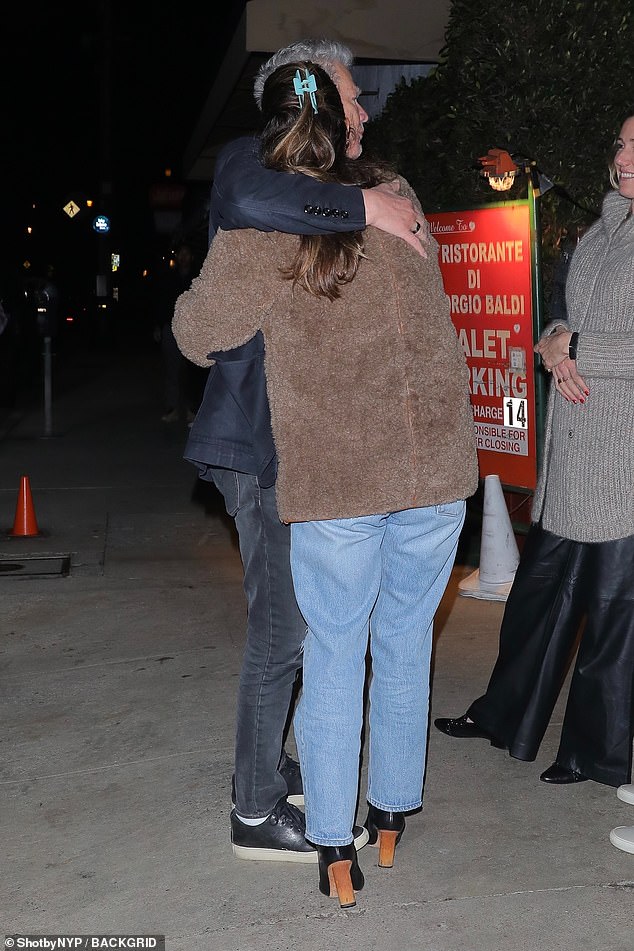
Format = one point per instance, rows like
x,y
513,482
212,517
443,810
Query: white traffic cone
x,y
499,554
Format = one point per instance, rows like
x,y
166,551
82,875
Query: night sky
x,y
79,108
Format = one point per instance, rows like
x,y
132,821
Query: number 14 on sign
x,y
515,414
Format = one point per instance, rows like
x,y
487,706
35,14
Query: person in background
x,y
49,298
8,357
180,402
369,397
577,564
231,444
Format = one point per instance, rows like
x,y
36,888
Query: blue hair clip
x,y
307,85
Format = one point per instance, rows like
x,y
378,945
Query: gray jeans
x,y
274,638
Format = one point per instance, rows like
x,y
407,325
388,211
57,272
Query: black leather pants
x,y
560,588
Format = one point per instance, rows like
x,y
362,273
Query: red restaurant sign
x,y
485,259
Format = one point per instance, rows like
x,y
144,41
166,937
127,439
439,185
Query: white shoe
x,y
623,838
626,793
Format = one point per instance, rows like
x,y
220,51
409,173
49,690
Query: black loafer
x,y
463,728
562,776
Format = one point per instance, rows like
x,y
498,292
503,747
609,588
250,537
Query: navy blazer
x,y
232,429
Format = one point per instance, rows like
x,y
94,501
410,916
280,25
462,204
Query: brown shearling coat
x,y
369,394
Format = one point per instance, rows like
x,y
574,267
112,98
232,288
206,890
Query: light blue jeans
x,y
379,577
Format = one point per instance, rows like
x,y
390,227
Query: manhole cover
x,y
53,565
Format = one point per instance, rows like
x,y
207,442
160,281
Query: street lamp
x,y
499,169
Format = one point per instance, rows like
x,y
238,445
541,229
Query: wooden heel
x,y
341,883
387,847
384,830
339,873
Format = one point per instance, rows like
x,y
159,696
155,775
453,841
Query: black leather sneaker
x,y
289,769
280,838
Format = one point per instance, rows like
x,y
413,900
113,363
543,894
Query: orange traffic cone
x,y
25,522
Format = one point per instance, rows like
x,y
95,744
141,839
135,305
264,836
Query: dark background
x,y
98,100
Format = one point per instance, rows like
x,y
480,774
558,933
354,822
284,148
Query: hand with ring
x,y
553,349
568,382
391,212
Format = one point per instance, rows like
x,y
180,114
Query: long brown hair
x,y
297,139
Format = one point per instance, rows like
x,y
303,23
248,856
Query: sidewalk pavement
x,y
120,646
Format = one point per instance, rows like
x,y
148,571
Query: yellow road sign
x,y
71,209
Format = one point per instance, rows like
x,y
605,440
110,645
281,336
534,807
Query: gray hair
x,y
326,53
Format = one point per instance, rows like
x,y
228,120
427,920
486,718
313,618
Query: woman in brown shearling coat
x,y
369,399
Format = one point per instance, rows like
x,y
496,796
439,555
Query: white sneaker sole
x,y
286,855
618,838
274,855
626,793
362,838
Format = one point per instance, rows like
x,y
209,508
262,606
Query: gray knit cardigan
x,y
369,393
585,490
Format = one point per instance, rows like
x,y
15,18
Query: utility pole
x,y
104,268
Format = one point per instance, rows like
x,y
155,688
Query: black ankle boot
x,y
388,828
339,873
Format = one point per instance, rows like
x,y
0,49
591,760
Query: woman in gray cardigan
x,y
578,560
